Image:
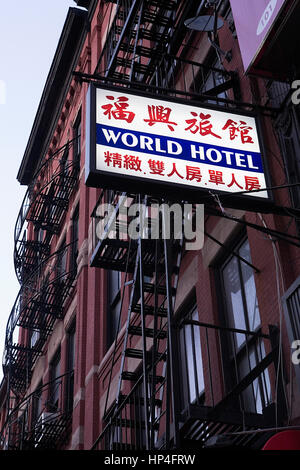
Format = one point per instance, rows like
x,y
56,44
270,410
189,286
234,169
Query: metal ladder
x,y
147,393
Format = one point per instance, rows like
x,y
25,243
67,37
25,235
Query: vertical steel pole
x,y
143,322
173,357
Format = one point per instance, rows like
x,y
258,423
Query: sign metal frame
x,y
173,191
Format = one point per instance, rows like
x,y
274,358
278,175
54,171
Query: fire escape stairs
x,y
138,38
146,356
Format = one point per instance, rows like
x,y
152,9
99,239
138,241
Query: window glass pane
x,y
71,363
75,231
265,378
114,303
114,320
62,260
248,394
35,335
55,385
198,353
190,362
113,284
37,404
71,349
77,136
258,394
258,406
249,288
233,298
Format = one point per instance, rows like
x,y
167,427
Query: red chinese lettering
x,y
252,182
160,114
193,173
202,125
216,177
241,129
117,160
107,158
174,171
132,163
118,110
156,167
114,158
234,181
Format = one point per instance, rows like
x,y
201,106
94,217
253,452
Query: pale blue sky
x,y
29,33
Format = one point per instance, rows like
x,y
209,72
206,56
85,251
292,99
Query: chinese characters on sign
x,y
157,167
174,143
161,114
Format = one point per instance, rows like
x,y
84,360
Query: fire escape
x,y
152,408
36,423
148,411
46,276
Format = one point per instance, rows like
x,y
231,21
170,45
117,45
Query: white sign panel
x,y
169,142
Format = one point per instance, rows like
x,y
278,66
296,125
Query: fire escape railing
x,y
210,414
240,384
139,32
47,279
40,302
44,205
116,251
239,367
36,422
136,54
146,341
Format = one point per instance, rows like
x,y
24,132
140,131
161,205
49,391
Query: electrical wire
x,y
280,285
292,239
252,191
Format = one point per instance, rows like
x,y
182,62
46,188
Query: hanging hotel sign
x,y
141,142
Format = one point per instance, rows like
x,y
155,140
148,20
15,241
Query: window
x,y
242,312
34,337
192,366
39,235
214,79
291,303
62,260
77,139
287,126
39,239
71,365
114,303
54,389
37,405
63,163
75,231
240,293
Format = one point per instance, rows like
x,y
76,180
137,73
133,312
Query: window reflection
x,y
193,365
243,313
